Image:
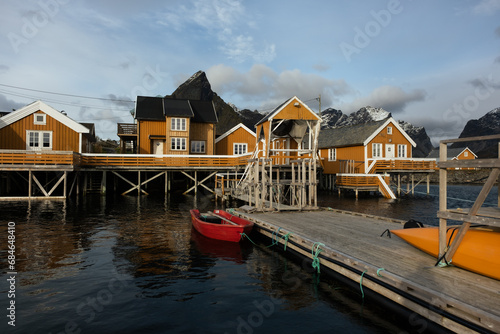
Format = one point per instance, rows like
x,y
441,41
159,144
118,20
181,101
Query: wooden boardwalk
x,y
451,297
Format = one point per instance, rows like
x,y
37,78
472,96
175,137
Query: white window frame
x,y
178,124
37,122
39,140
332,154
377,150
389,130
402,151
466,154
240,148
178,144
198,146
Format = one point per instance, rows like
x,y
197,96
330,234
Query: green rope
x,y
243,234
379,270
361,285
315,253
274,239
285,237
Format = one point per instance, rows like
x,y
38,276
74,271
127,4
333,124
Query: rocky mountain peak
x,y
197,87
487,125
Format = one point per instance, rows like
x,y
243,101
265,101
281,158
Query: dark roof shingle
x,y
348,135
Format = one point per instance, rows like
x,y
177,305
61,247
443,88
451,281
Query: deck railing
x,y
12,158
45,158
127,129
403,164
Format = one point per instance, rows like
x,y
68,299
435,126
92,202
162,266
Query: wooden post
x,y
412,184
29,184
399,184
195,183
442,197
271,184
428,183
166,182
65,184
139,183
303,184
103,183
85,182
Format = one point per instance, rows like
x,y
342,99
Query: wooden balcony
x,y
20,160
126,129
365,182
402,164
12,160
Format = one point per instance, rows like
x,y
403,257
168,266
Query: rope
x,y
361,284
315,253
274,239
379,270
285,237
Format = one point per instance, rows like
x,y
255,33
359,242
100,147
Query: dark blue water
x,y
419,206
134,265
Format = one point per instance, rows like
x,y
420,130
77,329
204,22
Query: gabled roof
x,y
233,129
356,135
177,108
204,111
451,153
39,105
149,108
157,108
276,111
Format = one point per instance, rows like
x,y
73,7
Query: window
x,y
389,130
401,151
178,144
40,119
466,154
377,150
178,124
332,154
198,146
240,148
39,140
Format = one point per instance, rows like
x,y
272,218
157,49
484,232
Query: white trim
x,y
39,105
80,140
389,120
240,144
43,121
40,140
271,117
178,142
466,149
198,141
233,129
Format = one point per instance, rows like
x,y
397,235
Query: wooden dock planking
x,y
354,239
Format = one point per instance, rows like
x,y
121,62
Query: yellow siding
x,y
145,130
469,156
63,138
353,153
292,112
225,146
176,134
203,132
396,138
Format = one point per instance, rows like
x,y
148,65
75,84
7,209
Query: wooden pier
x,y
352,246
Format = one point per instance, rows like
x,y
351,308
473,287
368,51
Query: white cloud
x,y
263,87
390,98
487,7
227,22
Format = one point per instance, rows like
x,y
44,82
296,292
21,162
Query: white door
x,y
389,150
158,147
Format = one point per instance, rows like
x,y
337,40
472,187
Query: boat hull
x,y
478,252
220,229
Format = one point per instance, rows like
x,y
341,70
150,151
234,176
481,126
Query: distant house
x,y
238,140
175,126
284,130
459,153
349,149
39,127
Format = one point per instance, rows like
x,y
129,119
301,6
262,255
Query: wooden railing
x,y
404,164
127,129
366,180
144,160
45,158
13,158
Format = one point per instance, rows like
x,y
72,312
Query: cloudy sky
x,y
433,63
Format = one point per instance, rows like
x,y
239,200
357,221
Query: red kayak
x,y
220,225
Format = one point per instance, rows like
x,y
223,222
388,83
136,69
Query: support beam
x,y
134,186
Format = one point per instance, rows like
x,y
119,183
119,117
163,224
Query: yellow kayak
x,y
478,252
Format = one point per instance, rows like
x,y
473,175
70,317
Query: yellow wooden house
x,y
238,140
39,127
290,130
175,126
353,149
